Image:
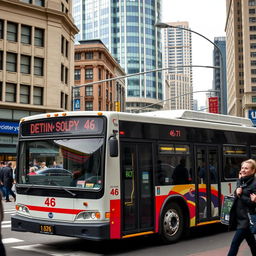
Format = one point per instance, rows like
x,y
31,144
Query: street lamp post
x,y
136,74
165,25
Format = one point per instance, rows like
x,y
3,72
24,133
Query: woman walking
x,y
242,206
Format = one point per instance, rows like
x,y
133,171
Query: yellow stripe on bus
x,y
138,234
208,222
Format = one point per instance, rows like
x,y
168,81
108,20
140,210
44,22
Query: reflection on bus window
x,y
65,162
174,165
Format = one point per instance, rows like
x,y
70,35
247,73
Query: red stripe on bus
x,y
50,209
115,216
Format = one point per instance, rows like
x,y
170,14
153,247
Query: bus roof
x,y
200,116
174,117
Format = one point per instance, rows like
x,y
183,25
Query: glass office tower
x,y
127,28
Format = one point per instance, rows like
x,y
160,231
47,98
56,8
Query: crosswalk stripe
x,y
11,240
6,222
6,226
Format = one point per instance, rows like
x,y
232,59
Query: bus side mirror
x,y
113,146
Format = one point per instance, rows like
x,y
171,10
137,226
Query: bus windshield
x,y
62,162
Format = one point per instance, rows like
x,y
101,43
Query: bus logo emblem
x,y
50,215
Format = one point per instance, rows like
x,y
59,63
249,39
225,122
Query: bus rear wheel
x,y
172,223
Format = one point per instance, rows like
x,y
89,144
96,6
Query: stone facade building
x,y
36,63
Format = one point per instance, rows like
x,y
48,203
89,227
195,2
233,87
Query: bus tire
x,y
172,223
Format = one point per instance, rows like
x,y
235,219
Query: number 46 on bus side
x,y
114,191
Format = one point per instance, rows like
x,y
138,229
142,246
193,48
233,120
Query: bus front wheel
x,y
172,223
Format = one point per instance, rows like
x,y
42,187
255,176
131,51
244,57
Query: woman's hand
x,y
239,191
253,197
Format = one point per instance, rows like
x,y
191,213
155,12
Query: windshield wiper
x,y
63,188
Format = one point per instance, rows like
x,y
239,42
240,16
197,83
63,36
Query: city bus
x,y
112,175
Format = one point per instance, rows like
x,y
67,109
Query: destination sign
x,y
63,125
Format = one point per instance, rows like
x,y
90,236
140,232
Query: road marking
x,y
8,212
48,250
6,222
11,240
6,226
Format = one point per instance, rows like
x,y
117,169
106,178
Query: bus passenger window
x,y
233,157
174,165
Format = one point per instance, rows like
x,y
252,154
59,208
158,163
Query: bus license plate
x,y
46,229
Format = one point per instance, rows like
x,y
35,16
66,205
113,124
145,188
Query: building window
x,y
25,64
1,91
89,55
62,100
25,34
67,45
24,94
12,31
10,93
66,75
76,92
253,88
39,2
1,29
62,68
77,74
88,106
1,60
39,37
88,91
253,99
66,101
77,56
251,11
38,96
38,66
89,73
11,62
99,91
62,44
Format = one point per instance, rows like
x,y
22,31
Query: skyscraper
x,y
241,56
127,28
178,52
219,79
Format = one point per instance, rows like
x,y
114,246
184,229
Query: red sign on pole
x,y
213,105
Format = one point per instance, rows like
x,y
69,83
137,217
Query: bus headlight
x,y
20,208
88,215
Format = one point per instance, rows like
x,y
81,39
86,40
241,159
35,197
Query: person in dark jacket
x,y
8,181
243,205
180,173
2,249
2,189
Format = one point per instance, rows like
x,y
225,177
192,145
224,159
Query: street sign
x,y
252,116
9,127
213,105
76,104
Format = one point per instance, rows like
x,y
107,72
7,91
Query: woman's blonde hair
x,y
251,162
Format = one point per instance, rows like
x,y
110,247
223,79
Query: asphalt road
x,y
212,240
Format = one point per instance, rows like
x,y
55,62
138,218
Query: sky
x,y
208,18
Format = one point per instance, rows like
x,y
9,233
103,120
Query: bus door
x,y
137,188
207,183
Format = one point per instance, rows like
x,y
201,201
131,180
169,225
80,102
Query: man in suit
x,y
8,181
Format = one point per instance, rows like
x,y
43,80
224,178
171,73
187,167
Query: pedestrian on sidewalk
x,y
2,189
243,205
8,181
2,249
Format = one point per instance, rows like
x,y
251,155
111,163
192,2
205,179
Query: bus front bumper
x,y
90,231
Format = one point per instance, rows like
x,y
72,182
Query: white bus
x,y
112,175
